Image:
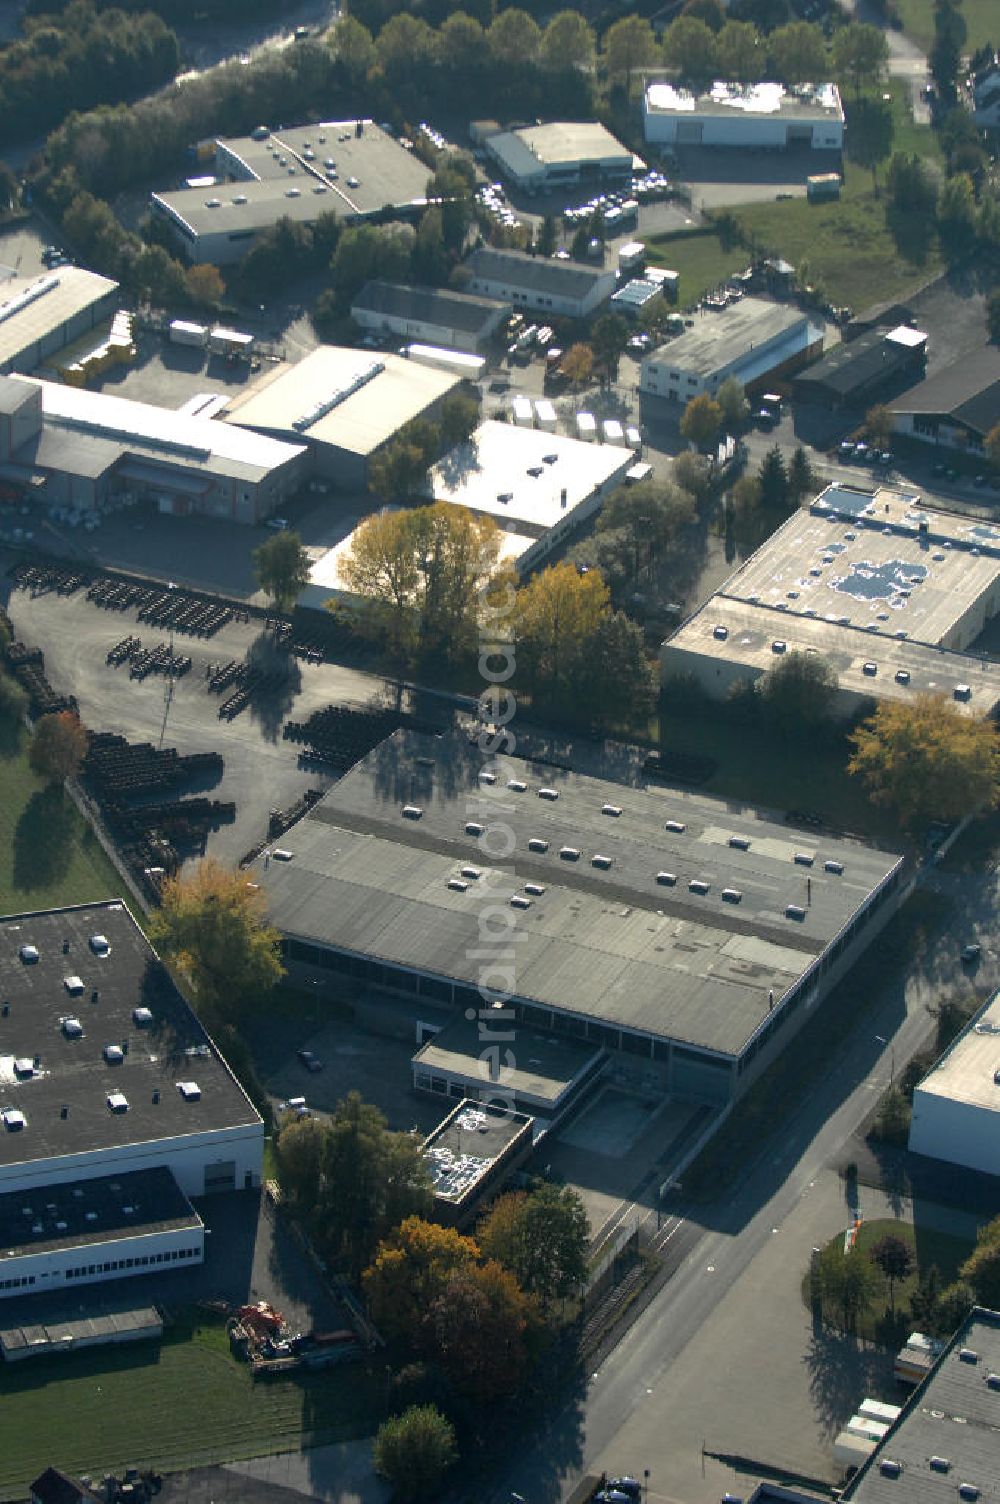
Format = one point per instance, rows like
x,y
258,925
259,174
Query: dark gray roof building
x,y
437,315
854,372
945,1445
663,924
958,405
541,283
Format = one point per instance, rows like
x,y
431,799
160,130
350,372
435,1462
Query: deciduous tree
x,y
541,1238
689,47
927,759
568,41
608,339
701,422
211,926
732,402
58,746
629,44
896,1260
798,53
981,1269
860,54
847,1282
353,47
478,1330
281,565
799,691
414,1452
578,364
870,133
514,38
410,1270
739,52
554,614
204,284
649,515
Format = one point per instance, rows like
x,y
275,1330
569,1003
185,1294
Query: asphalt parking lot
x,y
717,178
261,770
21,249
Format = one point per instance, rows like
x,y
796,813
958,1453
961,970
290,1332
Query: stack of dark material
x,y
114,766
341,736
158,660
42,578
28,667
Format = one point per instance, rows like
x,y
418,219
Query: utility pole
x,y
168,693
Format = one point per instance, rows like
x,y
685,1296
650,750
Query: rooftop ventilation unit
x,y
732,895
142,1017
520,902
73,985
869,669
902,676
487,778
795,911
516,785
14,1120
548,793
99,945
473,873
968,1491
535,889
993,1380
457,885
836,868
72,1028
963,691
698,885
569,853
117,1101
968,1355
720,633
939,1464
890,1469
604,862
778,646
666,879
614,810
114,1054
189,1090
676,827
740,843
412,812
536,843
803,859
473,828
282,854
28,954
24,1066
90,1216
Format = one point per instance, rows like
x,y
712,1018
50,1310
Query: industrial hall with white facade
x,y
115,1106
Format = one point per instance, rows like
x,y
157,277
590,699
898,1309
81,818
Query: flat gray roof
x,y
60,1332
293,162
73,1073
563,279
387,391
616,943
542,1067
31,308
966,1072
729,101
721,336
952,1419
465,1146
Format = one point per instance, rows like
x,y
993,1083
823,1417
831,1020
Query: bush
x,y
414,1451
13,700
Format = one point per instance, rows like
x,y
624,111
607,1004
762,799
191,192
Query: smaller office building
x,y
430,315
956,1107
344,404
957,407
856,372
752,116
753,340
470,1156
41,315
535,484
539,283
561,154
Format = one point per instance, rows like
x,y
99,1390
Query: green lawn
x,y
981,17
185,1400
929,1245
848,243
49,856
701,261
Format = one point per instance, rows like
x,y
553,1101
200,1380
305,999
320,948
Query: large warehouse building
x,y
74,448
745,115
753,341
561,154
542,284
115,1105
673,934
890,593
956,1107
344,404
350,168
856,372
42,315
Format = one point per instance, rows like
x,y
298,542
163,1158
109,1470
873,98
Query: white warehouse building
x,y
956,1107
745,115
115,1106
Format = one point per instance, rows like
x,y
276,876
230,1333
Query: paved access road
x,y
702,1364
